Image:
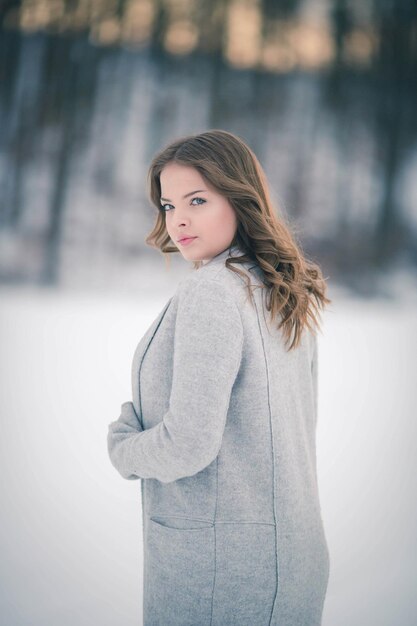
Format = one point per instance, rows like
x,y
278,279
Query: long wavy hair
x,y
296,289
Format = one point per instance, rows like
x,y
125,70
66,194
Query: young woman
x,y
222,425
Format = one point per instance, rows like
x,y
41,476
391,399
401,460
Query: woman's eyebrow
x,y
186,195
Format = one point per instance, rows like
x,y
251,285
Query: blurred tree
x,y
343,24
394,86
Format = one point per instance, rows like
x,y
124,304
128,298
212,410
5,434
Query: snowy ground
x,y
71,526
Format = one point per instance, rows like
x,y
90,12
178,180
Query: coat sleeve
x,y
207,354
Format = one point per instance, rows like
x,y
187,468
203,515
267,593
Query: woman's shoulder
x,y
213,275
210,291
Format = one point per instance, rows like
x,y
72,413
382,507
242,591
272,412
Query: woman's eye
x,y
197,198
170,205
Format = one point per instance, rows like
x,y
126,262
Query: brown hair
x,y
295,285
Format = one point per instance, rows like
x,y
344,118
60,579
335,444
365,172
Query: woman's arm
x,y
207,355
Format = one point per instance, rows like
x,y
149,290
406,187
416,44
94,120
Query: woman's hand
x,y
129,416
119,440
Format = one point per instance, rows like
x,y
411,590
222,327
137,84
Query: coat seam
x,y
273,463
214,536
210,521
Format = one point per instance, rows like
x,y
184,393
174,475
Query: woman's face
x,y
194,209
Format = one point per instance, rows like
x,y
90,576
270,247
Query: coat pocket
x,y
179,571
180,523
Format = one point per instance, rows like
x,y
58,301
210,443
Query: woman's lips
x,y
188,240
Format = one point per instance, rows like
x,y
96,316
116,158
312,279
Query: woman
x,y
222,425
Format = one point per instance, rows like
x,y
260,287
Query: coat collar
x,y
222,256
139,354
229,252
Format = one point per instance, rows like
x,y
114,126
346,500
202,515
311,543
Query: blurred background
x,y
325,93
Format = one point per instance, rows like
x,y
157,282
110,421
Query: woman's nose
x,y
181,218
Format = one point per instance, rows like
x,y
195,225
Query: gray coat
x,y
222,433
